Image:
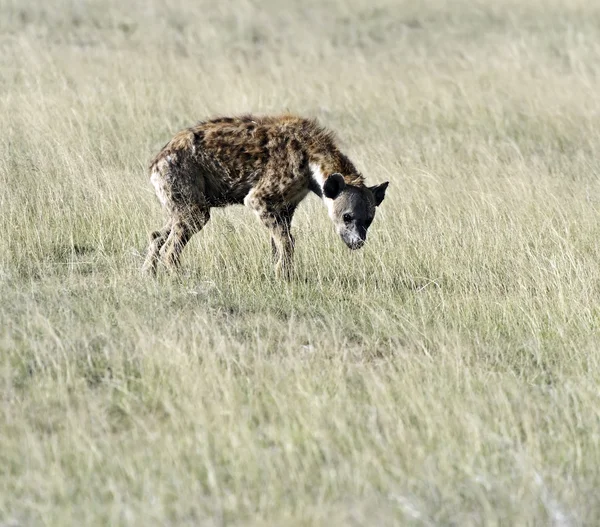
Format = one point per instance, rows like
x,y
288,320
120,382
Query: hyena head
x,y
352,208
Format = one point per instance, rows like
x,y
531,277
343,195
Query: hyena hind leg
x,y
157,240
181,232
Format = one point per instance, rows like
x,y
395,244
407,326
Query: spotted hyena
x,y
269,164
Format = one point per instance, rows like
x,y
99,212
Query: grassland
x,y
447,374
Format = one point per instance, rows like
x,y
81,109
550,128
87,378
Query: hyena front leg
x,y
282,241
278,219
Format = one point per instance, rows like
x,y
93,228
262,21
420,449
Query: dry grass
x,y
445,375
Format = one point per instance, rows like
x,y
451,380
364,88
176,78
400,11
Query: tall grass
x,y
447,374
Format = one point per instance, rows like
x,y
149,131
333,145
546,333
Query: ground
x,y
446,374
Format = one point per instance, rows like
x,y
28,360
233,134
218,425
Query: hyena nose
x,y
356,244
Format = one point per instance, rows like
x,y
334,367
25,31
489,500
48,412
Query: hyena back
x,y
266,163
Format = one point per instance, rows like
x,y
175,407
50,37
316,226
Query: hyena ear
x,y
379,192
333,185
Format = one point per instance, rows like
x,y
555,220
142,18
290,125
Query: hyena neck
x,y
323,164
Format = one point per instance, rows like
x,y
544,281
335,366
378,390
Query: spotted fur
x,y
266,163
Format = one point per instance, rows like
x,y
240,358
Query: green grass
x,y
446,374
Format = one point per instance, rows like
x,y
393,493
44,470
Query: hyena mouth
x,y
355,244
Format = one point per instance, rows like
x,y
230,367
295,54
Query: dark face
x,y
352,209
353,213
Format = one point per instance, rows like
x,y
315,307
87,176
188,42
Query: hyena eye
x,y
347,218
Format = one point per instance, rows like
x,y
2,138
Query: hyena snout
x,y
354,237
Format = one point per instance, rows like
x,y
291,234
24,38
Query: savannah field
x,y
446,374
